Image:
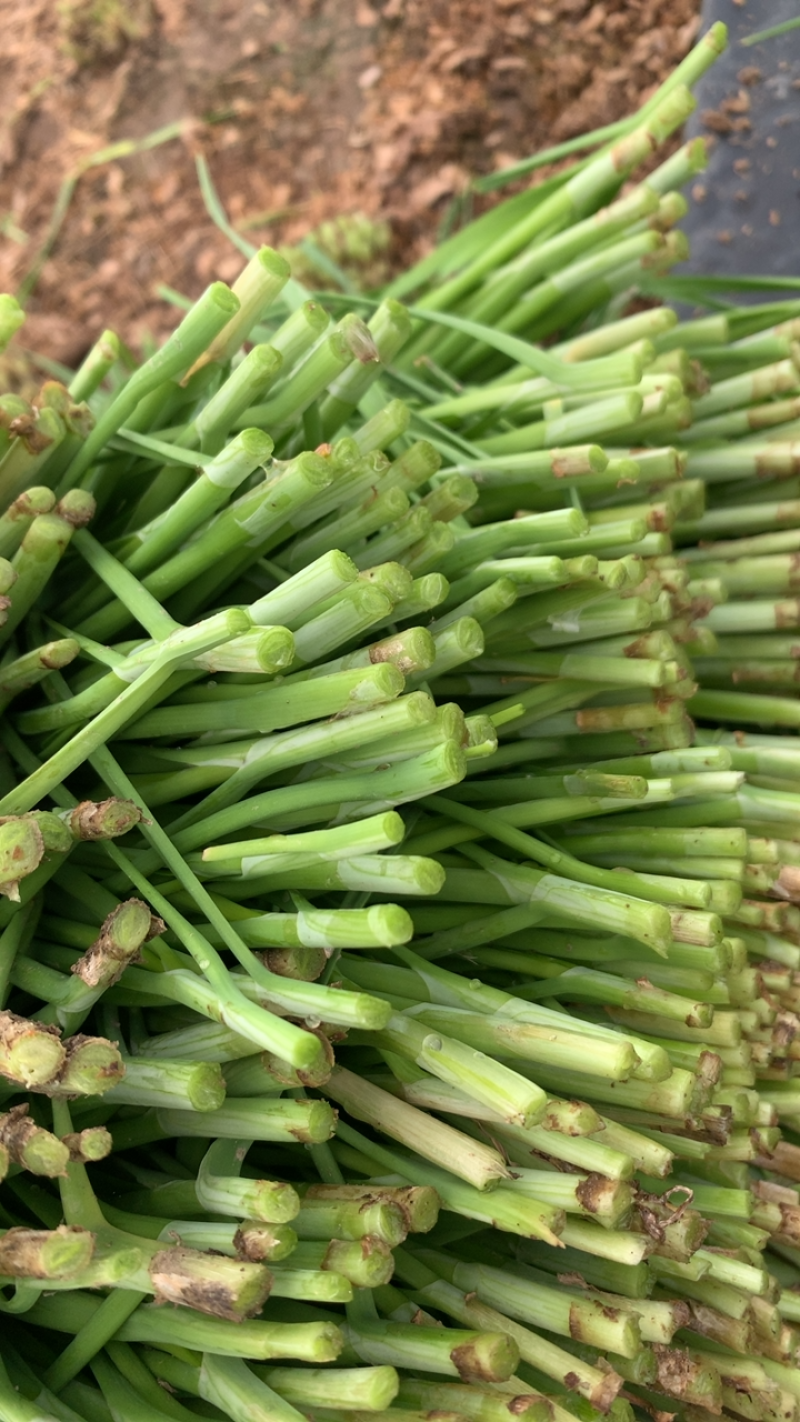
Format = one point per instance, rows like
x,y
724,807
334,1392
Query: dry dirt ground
x,y
303,109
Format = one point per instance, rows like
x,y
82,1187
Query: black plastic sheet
x,y
744,215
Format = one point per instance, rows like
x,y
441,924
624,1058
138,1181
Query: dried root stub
x,y
56,835
45,1253
91,1067
106,820
31,1146
305,964
93,1143
31,1053
123,932
25,839
258,1241
225,1288
21,850
287,1075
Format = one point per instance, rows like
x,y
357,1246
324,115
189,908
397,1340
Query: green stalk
x,y
19,515
631,1281
96,732
42,547
776,459
39,432
265,649
597,1386
545,258
185,1328
7,579
195,1087
299,332
350,339
12,409
365,873
229,1006
124,1401
673,1098
433,1095
523,1041
606,1201
28,670
22,848
451,1400
454,1060
435,984
668,891
522,1296
744,706
384,427
31,1146
608,416
12,317
275,707
244,527
216,481
410,651
229,1385
348,530
491,540
596,1157
277,753
92,1066
501,1208
678,843
325,577
95,366
89,1145
247,383
586,985
220,1191
478,1165
381,926
206,319
91,1336
502,882
747,389
225,1003
133,1370
578,195
257,1119
350,1213
252,1239
364,1389
451,1352
19,1408
367,1262
255,289
390,328
410,471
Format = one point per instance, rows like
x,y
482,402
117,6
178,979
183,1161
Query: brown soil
x,y
304,109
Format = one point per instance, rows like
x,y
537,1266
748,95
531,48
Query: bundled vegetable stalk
x,y
447,973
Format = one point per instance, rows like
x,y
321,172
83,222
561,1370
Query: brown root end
x,y
177,1278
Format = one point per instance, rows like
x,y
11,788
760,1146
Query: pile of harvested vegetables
x,y
400,931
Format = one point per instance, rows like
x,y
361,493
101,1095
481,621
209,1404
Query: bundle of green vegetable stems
x,y
399,839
